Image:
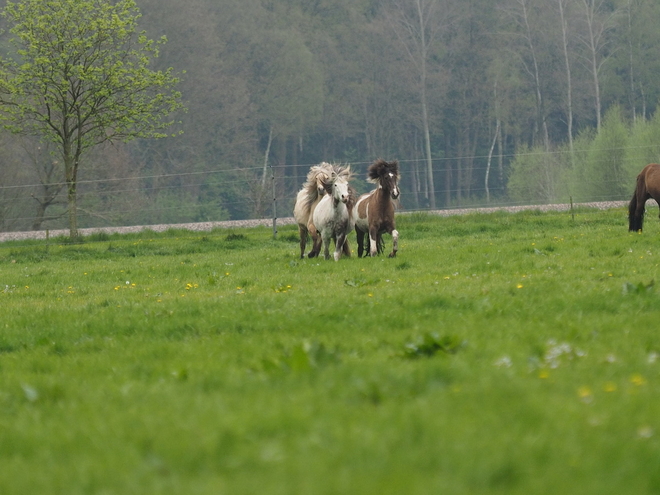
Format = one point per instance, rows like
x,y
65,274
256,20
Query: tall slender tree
x,y
564,14
418,24
597,20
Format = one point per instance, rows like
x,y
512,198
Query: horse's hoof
x,y
392,255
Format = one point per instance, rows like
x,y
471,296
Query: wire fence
x,y
176,196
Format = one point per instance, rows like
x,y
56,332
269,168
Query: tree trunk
x,y
267,157
500,159
425,117
39,218
597,29
569,84
540,110
73,210
631,57
490,159
429,160
448,171
71,173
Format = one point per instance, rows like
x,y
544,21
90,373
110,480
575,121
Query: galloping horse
x,y
374,212
333,216
648,186
318,181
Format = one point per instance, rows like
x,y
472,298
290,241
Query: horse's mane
x,y
380,168
352,198
342,171
310,187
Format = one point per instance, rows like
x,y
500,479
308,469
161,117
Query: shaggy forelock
x,y
380,169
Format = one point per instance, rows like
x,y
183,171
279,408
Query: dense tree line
x,y
480,100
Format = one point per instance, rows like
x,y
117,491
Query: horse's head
x,y
393,185
386,176
340,192
319,179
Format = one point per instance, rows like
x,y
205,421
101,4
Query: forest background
x,y
482,101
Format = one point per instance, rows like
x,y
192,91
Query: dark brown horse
x,y
374,211
648,186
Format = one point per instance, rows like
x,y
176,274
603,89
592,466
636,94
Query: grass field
x,y
499,353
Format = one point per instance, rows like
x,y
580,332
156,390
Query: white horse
x,y
333,216
318,180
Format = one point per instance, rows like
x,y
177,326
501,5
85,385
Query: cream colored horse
x,y
316,186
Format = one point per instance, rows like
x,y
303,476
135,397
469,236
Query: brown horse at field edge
x,y
648,186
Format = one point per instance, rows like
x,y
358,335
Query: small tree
x,y
534,176
80,77
606,171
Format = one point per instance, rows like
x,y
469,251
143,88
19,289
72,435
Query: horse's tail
x,y
635,209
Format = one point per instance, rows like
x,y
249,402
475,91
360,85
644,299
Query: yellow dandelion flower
x,y
609,387
584,393
637,380
544,374
519,286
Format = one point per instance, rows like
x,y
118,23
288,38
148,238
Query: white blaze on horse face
x,y
340,191
395,186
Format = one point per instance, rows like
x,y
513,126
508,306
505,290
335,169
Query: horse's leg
x,y
311,229
639,212
347,248
360,241
380,243
339,246
641,195
632,213
317,241
395,243
325,239
303,239
373,241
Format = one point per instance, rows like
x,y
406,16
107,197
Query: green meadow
x,y
498,353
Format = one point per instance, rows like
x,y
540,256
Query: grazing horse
x,y
318,181
648,186
333,216
374,211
